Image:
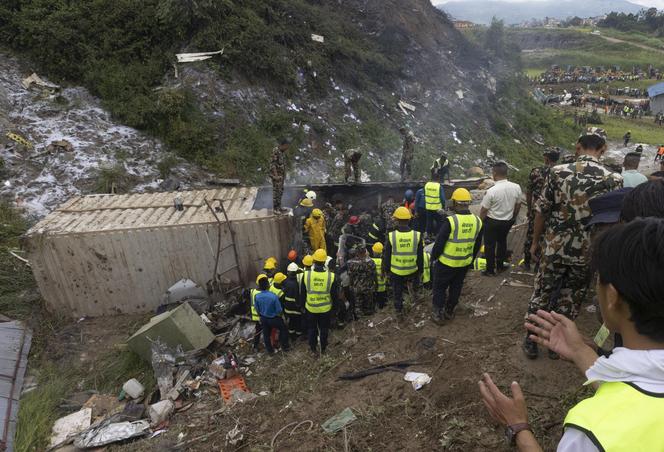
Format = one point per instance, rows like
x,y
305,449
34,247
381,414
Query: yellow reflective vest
x,y
404,252
382,280
319,291
479,264
458,251
254,313
621,417
426,272
432,196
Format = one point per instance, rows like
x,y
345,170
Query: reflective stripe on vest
x,y
426,272
404,252
278,292
290,306
458,251
620,417
382,280
432,196
479,264
254,313
319,287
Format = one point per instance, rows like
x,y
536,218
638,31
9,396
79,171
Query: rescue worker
x,y
563,280
533,191
434,198
350,236
387,213
278,173
269,310
307,264
627,137
318,293
420,211
270,268
292,307
338,217
314,227
426,270
376,233
292,257
276,288
408,153
362,273
455,249
380,296
660,153
255,317
403,257
301,212
441,169
409,201
352,164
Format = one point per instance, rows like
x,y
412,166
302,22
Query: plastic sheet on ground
x,y
418,379
70,425
339,421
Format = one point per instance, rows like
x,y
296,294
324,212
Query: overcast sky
x,y
656,3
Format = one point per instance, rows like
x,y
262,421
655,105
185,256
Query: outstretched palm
x,y
556,332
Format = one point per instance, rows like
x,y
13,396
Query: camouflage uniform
x,y
364,228
352,161
535,187
563,280
407,156
387,210
278,175
362,273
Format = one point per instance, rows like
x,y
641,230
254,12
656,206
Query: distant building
x,y
656,95
463,24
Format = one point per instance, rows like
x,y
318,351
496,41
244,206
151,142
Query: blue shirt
x,y
267,304
632,178
420,203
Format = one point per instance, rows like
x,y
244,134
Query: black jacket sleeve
x,y
387,256
441,240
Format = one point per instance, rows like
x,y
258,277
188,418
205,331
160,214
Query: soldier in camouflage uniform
x,y
387,210
338,217
563,280
362,273
533,192
278,173
352,162
405,168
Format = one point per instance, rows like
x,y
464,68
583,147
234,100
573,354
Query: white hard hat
x,y
311,195
292,267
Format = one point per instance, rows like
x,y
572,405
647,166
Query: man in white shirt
x,y
500,207
631,175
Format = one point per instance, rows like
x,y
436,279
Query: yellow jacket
x,y
315,228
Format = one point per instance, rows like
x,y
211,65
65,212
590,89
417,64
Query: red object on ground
x,y
226,387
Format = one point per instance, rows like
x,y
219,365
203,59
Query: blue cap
x,y
606,208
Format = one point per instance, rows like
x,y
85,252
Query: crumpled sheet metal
x,y
111,433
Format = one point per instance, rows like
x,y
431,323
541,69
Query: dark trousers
x,y
433,222
295,327
447,285
421,220
257,334
380,298
399,284
495,238
318,325
268,325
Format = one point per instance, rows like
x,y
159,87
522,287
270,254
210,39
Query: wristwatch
x,y
512,431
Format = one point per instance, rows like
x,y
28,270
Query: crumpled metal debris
x,y
199,56
164,360
111,433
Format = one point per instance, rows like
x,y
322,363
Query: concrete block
x,y
181,326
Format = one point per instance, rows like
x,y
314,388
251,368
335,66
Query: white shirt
x,y
644,368
500,200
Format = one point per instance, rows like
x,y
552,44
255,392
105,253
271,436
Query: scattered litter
x,y
406,107
459,94
420,324
417,379
249,360
34,79
239,395
288,406
371,324
181,436
234,436
133,388
591,308
376,357
158,432
520,284
133,411
205,319
224,367
317,38
70,425
339,421
160,411
263,393
174,393
200,56
107,433
19,139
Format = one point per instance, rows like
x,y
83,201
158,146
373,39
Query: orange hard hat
x,y
292,255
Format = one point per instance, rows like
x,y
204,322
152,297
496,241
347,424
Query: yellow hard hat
x,y
306,202
402,213
320,256
279,278
461,195
308,260
270,264
259,277
377,248
317,213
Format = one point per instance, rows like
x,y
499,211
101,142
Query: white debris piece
x,y
200,56
34,79
317,38
418,379
459,94
406,107
70,425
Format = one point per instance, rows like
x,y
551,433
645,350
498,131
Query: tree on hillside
x,y
494,40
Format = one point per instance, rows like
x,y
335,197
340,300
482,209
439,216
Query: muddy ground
x,y
447,414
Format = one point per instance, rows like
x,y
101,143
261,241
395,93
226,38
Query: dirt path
x,y
635,44
447,414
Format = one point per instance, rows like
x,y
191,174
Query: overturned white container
x,y
134,389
